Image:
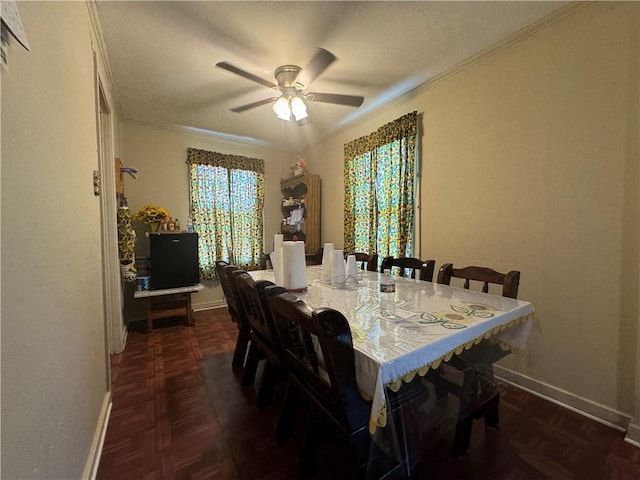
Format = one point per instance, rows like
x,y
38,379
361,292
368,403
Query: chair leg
x,y
251,365
488,391
244,335
396,421
439,387
464,424
287,418
492,414
361,443
462,437
267,384
307,465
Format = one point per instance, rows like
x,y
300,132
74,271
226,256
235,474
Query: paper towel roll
x,y
276,261
278,238
294,266
327,262
337,269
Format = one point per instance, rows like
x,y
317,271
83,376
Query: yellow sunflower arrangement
x,y
151,214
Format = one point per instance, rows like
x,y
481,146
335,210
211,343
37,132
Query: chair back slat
x,y
410,264
258,314
261,285
509,281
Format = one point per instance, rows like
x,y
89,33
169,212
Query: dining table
x,y
432,323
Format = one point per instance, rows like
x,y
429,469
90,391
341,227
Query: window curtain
x,y
379,176
227,202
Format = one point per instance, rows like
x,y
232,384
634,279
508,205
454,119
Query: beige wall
x,y
160,156
54,369
540,140
530,162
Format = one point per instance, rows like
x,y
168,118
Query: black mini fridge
x,y
174,260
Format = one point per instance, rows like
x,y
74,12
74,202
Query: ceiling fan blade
x,y
316,66
250,76
304,121
351,100
248,106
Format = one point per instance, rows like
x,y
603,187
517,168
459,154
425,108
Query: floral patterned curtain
x,y
227,201
379,189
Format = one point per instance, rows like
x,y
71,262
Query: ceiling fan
x,y
291,84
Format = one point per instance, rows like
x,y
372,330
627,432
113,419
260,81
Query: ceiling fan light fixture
x,y
291,84
298,108
282,109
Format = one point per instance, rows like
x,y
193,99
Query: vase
x,y
128,274
154,226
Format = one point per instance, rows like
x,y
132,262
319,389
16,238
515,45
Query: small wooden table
x,y
158,307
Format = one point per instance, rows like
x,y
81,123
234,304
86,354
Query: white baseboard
x,y
91,467
208,305
197,307
123,338
633,434
583,406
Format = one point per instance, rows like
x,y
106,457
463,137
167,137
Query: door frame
x,y
115,329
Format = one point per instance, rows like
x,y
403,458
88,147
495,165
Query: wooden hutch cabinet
x,y
301,212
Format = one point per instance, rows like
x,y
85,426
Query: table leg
x,y
149,315
174,308
190,321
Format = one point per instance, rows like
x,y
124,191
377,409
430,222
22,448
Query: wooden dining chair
x,y
479,396
264,339
366,261
509,281
225,274
412,265
318,349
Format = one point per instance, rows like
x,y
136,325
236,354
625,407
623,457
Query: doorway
x,y
115,330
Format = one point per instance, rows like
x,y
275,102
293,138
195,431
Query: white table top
x,y
167,291
432,323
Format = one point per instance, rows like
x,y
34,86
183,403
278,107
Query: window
x,y
379,190
227,200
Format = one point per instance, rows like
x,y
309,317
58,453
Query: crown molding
x,y
513,39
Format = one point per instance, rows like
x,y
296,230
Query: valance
x,y
225,160
403,127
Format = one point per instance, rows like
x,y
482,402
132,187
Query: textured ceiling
x,y
162,56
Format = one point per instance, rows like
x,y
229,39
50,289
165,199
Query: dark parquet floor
x,y
179,413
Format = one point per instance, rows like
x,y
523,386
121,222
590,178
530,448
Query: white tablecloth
x,y
432,323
